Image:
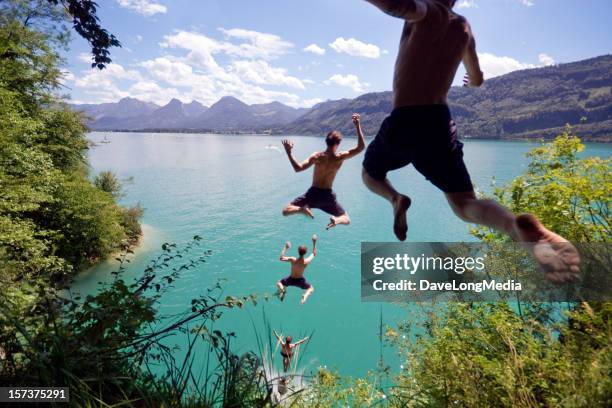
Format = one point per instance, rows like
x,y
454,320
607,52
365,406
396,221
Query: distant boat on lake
x,y
273,147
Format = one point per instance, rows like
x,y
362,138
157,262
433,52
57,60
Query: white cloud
x,y
177,73
467,4
144,7
151,91
493,65
546,60
200,47
101,85
260,72
349,81
257,45
138,39
315,49
196,66
355,48
85,57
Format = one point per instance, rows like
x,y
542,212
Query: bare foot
x,y
557,257
332,223
342,219
304,297
307,212
281,294
400,224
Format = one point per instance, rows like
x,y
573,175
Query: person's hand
x,y
356,119
466,81
288,145
287,244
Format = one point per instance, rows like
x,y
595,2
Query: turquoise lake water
x,y
230,189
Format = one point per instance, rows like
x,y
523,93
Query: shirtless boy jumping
x,y
421,131
298,266
287,349
326,166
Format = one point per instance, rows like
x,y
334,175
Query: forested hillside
x,y
531,103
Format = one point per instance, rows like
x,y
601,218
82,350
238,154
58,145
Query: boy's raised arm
x,y
360,138
314,249
410,10
297,166
283,257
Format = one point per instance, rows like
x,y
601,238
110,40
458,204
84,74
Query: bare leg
x,y
342,219
281,291
286,362
484,212
400,202
558,258
291,209
307,294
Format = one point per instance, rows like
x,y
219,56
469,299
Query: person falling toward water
x,y
287,349
420,131
326,166
298,266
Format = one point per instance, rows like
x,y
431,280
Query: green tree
x,y
108,182
53,220
81,13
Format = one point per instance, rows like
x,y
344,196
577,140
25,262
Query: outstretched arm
x,y
410,10
283,257
297,343
288,145
314,249
474,75
360,138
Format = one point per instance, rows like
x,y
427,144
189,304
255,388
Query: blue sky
x,y
304,52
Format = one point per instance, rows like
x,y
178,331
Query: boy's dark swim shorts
x,y
425,136
297,282
321,198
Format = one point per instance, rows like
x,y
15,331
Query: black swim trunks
x,y
425,136
297,282
322,198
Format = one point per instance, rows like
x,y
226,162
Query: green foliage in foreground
x,y
115,349
571,195
481,355
527,355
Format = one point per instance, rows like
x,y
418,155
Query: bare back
x,y
326,166
429,54
298,266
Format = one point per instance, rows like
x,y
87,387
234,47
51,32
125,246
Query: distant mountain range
x,y
228,115
530,103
